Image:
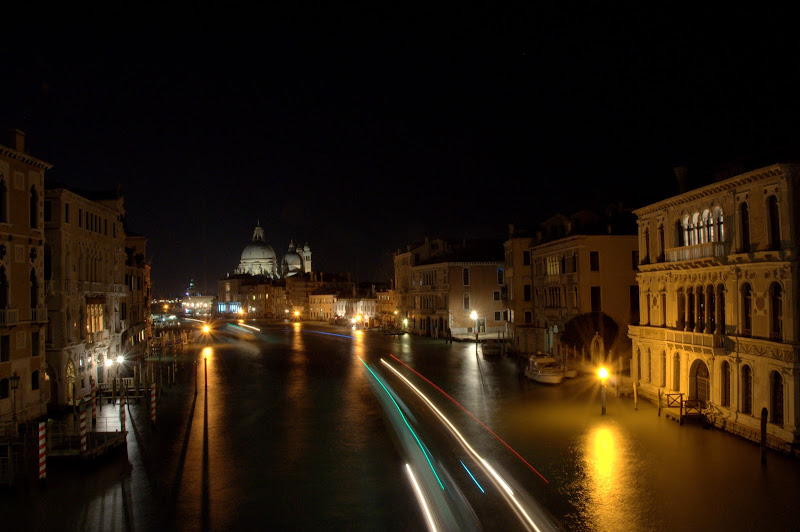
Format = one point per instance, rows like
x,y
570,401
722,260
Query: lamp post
x,y
603,374
474,316
14,386
205,364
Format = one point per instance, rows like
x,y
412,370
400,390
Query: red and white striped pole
x,y
94,404
84,446
122,401
42,451
153,402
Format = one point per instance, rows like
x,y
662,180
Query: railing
x,y
698,251
9,316
715,341
98,336
39,315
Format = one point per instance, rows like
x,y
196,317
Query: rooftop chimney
x,y
17,138
682,174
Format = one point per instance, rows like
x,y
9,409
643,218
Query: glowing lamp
x,y
120,360
296,313
603,373
109,362
206,328
474,315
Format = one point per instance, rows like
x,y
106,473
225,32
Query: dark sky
x,y
361,130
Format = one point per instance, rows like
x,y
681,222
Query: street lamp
x,y
14,386
474,316
297,315
603,374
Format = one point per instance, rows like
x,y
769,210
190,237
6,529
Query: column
x,y
687,302
707,310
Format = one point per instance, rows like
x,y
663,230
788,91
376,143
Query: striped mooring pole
x,y
153,402
84,446
94,404
122,401
42,450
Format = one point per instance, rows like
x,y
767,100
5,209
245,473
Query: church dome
x,y
258,251
292,259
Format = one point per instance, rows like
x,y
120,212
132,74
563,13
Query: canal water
x,y
291,434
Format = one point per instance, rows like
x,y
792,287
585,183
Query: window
x,y
634,260
35,380
725,383
747,310
66,213
776,312
744,222
35,348
466,301
48,211
774,223
5,348
680,234
4,288
747,390
645,247
575,261
526,258
497,295
528,316
596,299
526,292
497,315
676,372
3,388
661,244
34,208
776,398
500,276
465,274
719,225
594,261
80,217
663,369
34,289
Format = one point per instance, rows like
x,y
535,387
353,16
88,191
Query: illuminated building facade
x,y
718,314
23,286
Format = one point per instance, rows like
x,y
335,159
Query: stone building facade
x,y
23,284
719,307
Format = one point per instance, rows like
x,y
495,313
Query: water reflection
x,y
606,490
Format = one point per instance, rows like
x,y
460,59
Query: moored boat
x,y
544,370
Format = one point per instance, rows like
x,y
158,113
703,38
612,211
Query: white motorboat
x,y
544,370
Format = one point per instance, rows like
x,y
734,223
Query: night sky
x,y
359,131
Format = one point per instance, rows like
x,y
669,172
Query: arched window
x,y
3,199
721,308
661,244
34,290
646,245
3,388
697,229
708,227
774,223
747,390
719,225
725,383
649,367
676,372
690,295
663,369
34,208
744,226
680,317
747,310
680,234
465,274
35,380
776,312
776,398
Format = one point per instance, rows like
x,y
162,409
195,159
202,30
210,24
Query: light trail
x,y
473,477
421,446
421,498
250,327
325,333
473,417
516,506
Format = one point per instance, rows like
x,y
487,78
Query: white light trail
x,y
478,458
421,498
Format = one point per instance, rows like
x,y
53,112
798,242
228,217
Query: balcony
x,y
699,251
9,317
39,315
96,337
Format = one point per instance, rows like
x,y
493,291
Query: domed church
x,y
258,258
